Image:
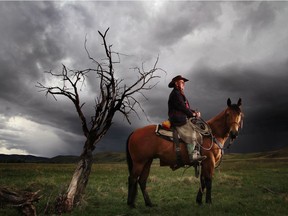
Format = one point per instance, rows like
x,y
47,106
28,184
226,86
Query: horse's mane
x,y
216,118
220,115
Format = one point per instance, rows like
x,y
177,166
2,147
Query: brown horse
x,y
143,145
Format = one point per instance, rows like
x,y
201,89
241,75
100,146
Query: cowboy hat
x,y
179,77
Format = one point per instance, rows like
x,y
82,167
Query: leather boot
x,y
197,157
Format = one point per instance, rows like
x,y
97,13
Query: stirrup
x,y
200,157
197,157
196,161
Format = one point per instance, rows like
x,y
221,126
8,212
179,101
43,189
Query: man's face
x,y
180,85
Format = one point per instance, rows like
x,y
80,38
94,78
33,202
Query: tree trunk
x,y
78,183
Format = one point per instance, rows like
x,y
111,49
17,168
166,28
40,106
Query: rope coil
x,y
201,126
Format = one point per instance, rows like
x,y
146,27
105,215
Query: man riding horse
x,y
179,112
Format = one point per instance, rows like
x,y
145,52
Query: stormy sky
x,y
226,49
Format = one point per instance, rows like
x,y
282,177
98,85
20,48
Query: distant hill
x,y
276,154
22,159
120,157
63,159
106,157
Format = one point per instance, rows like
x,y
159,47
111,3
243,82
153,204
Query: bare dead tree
x,y
113,96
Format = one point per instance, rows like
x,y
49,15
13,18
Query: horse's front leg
x,y
208,183
201,190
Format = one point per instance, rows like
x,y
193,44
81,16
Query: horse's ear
x,y
239,103
228,102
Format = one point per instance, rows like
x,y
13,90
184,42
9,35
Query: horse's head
x,y
234,118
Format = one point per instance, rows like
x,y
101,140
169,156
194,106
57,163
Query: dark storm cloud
x,y
264,94
264,86
25,43
115,139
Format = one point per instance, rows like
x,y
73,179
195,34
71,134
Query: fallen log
x,y
23,200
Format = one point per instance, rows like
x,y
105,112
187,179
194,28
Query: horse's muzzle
x,y
233,135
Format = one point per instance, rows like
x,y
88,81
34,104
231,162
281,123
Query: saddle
x,y
200,126
165,131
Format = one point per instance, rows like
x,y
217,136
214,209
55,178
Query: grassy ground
x,y
242,186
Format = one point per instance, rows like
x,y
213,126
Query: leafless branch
x,y
114,95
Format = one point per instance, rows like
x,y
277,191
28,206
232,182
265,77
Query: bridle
x,y
208,132
220,145
240,125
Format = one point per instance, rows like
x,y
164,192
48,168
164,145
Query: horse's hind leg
x,y
132,183
132,191
142,182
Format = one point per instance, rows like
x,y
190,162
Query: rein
x,y
221,147
214,140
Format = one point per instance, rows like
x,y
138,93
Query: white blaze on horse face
x,y
237,122
234,121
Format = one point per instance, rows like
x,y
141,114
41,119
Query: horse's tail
x,y
128,156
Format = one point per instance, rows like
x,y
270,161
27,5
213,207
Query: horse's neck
x,y
218,127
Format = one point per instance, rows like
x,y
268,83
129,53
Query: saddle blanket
x,y
168,134
187,133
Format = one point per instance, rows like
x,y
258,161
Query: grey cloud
x,y
257,16
25,36
33,37
179,19
25,44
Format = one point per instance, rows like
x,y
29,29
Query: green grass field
x,y
249,185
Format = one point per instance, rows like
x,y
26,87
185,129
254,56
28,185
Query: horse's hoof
x,y
209,202
199,199
150,205
132,206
